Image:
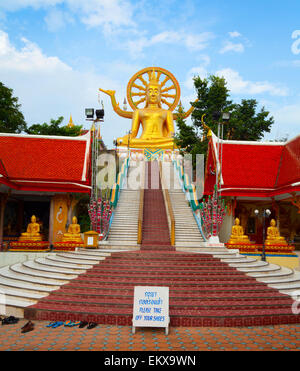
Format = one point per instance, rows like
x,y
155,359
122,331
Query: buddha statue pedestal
x,y
238,240
71,239
274,242
31,239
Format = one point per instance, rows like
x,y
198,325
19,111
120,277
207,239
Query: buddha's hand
x,y
111,93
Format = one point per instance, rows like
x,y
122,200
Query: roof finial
x,y
71,123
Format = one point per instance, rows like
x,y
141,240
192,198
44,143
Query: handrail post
x,y
169,208
141,205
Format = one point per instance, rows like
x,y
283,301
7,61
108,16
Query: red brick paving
x,y
120,338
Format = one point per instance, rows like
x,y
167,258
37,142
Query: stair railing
x,y
116,190
189,190
168,204
141,206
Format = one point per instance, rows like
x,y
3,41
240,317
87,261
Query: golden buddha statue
x,y
33,231
237,234
156,122
273,235
73,234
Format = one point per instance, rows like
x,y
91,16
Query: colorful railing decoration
x,y
208,214
101,211
212,213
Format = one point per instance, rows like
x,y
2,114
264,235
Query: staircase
x,y
124,227
205,290
187,233
155,229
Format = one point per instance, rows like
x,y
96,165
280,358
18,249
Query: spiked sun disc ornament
x,y
170,89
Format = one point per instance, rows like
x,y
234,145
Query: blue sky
x,y
55,54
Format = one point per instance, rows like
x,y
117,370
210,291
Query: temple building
x,y
257,176
41,176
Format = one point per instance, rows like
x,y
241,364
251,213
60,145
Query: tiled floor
x,y
119,338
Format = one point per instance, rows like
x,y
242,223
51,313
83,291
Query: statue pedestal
x,y
214,241
67,246
29,245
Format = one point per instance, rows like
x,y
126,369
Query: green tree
x,y
213,96
11,118
54,128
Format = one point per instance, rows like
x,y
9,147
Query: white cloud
x,y
48,88
57,19
234,34
195,71
108,14
193,42
29,59
238,85
232,47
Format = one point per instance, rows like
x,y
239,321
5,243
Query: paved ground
x,y
119,338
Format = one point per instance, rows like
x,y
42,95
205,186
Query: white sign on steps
x,y
151,307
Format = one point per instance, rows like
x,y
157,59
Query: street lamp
x,y
225,117
95,116
265,214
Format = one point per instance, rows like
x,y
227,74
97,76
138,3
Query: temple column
x,y
51,213
3,200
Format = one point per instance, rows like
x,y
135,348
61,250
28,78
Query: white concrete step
x,y
84,264
8,273
56,263
25,286
65,272
23,269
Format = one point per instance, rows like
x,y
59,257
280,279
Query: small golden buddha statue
x,y
33,231
73,234
237,234
273,235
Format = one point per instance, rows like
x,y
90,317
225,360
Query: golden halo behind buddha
x,y
169,87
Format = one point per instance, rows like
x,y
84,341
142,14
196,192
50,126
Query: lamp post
x,y
225,117
265,214
95,116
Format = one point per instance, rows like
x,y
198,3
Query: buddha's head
x,y
33,219
74,220
273,223
153,91
237,221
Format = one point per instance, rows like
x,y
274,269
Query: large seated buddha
x,y
273,235
32,233
155,121
237,234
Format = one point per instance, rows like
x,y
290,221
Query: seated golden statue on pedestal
x,y
273,235
237,234
73,234
33,231
156,122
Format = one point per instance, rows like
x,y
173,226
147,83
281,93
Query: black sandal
x,y
83,324
92,325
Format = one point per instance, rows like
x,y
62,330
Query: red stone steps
x,y
162,272
155,229
213,298
195,304
123,316
195,278
223,295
